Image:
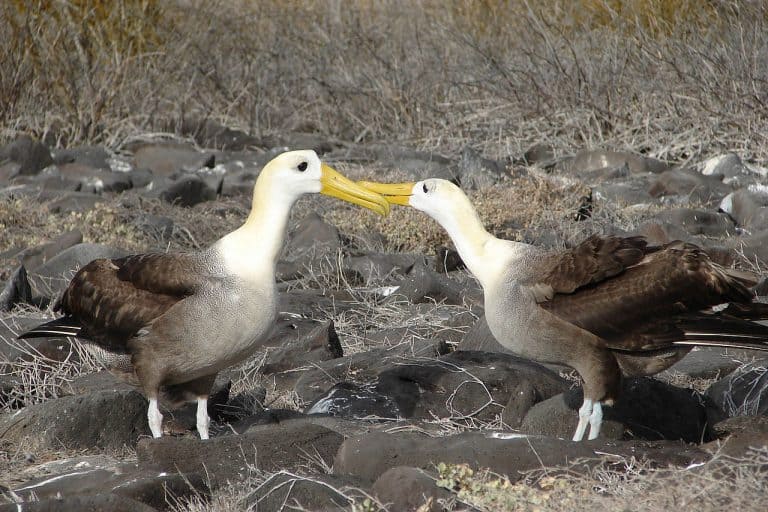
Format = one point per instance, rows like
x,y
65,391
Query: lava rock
x,y
320,344
686,182
50,279
229,458
408,488
476,172
34,257
463,385
744,391
310,492
370,455
349,400
165,159
188,190
16,290
68,422
647,408
85,503
32,156
595,159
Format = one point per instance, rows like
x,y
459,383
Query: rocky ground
x,y
381,387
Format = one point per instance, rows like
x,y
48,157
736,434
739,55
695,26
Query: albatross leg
x,y
203,421
595,420
585,412
155,418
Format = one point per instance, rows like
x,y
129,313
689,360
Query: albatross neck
x,y
475,245
256,245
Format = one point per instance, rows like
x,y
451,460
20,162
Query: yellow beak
x,y
394,193
336,185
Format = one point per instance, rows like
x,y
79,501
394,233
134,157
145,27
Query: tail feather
x,y
59,328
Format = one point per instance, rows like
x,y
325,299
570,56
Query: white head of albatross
x,y
173,320
610,306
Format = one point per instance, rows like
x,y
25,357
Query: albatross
x,y
610,306
173,320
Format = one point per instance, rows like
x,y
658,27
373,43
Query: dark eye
x,y
424,187
303,166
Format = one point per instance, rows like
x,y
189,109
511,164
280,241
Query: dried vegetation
x,y
677,80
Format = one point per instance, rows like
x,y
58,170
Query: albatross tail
x,y
59,328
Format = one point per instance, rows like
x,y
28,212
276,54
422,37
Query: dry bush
x,y
672,79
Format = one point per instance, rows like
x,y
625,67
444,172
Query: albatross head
x,y
440,199
295,173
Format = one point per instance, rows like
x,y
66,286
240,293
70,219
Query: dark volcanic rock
x,y
86,503
312,238
313,492
729,166
320,344
313,383
165,159
123,479
748,207
52,277
540,154
698,222
73,202
92,156
647,408
626,192
595,159
712,362
476,172
16,290
33,257
744,392
230,457
407,488
211,134
188,190
31,155
348,400
686,182
370,455
105,419
376,265
740,435
463,385
424,285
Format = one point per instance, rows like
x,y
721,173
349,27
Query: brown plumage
x,y
610,306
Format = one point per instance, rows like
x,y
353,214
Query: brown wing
x,y
593,260
655,303
113,299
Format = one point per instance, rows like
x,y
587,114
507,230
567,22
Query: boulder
x,y
476,172
104,419
16,290
370,455
85,503
743,392
52,277
689,183
647,409
592,159
229,458
286,490
30,155
408,488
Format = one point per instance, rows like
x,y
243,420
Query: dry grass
x,y
671,79
622,484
